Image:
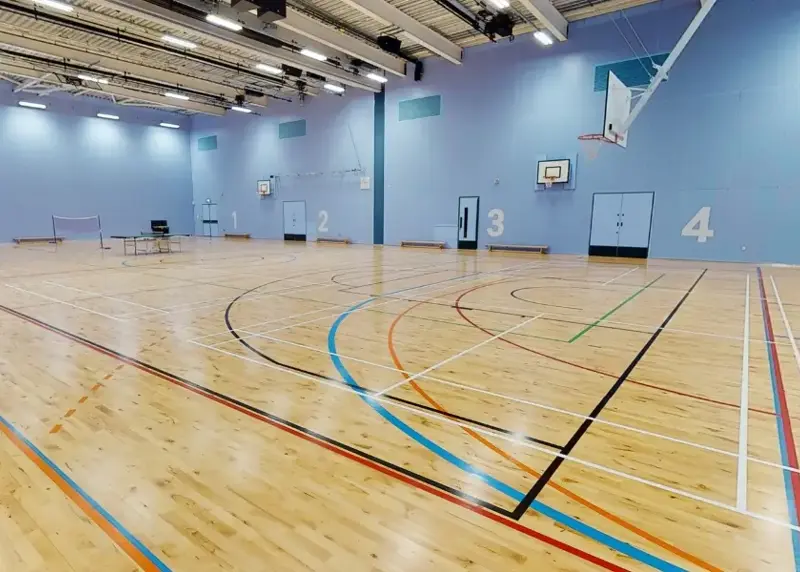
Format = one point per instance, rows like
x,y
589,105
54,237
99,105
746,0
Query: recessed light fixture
x,y
93,79
241,109
176,96
223,22
54,5
334,88
107,116
313,55
178,42
269,69
33,105
500,4
376,77
543,38
170,125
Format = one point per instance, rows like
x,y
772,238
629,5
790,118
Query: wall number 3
x,y
497,216
698,226
323,221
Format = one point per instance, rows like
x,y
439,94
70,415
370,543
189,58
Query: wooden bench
x,y
50,239
422,244
331,240
539,249
239,235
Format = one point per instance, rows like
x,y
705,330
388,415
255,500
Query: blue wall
x,y
68,162
250,149
723,132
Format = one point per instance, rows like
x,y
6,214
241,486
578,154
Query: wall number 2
x,y
497,216
323,221
699,225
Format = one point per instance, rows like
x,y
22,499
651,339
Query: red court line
x,y
204,392
519,464
586,368
783,418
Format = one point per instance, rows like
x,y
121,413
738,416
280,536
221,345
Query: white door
x,y
468,222
634,222
294,218
606,211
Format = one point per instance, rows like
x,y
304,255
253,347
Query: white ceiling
x,y
121,41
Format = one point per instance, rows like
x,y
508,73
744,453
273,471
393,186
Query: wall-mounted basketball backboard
x,y
619,98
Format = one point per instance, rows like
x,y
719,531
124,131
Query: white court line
x,y
786,323
450,283
342,386
506,397
744,404
620,276
98,295
65,303
458,355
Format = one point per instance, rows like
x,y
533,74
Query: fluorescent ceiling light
x,y
334,88
170,125
313,55
176,96
33,105
269,69
92,78
500,4
241,109
223,22
376,77
54,5
543,38
179,42
107,116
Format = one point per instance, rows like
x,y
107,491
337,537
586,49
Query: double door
x,y
621,224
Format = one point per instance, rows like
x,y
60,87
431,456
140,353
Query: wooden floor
x,y
260,406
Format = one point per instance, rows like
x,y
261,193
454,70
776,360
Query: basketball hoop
x,y
592,143
548,182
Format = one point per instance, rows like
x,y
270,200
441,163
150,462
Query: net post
x,y
100,228
55,238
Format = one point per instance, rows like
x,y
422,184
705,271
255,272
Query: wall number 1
x,y
323,221
699,225
497,216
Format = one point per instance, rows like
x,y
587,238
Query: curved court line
x,y
401,474
563,519
563,490
460,309
128,543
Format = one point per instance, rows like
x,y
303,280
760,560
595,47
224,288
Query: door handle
x,y
460,222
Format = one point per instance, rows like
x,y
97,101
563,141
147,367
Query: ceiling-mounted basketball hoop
x,y
619,99
593,142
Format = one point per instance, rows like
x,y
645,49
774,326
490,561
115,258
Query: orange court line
x,y
588,504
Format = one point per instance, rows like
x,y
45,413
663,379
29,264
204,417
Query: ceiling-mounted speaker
x,y
270,11
292,71
389,44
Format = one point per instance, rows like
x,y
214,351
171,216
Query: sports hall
x,y
399,285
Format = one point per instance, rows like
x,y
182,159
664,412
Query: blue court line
x,y
787,476
113,521
574,524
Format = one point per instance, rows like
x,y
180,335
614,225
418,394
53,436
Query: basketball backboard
x,y
619,98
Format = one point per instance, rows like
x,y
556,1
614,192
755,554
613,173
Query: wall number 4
x,y
497,228
698,226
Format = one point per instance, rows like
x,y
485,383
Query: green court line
x,y
614,309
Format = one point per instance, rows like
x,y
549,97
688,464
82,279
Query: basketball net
x,y
591,144
548,182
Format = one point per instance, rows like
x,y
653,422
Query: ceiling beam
x,y
549,16
308,27
108,63
383,12
30,83
154,98
144,9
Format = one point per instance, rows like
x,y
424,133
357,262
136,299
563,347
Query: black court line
x,y
316,375
515,295
253,411
551,469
